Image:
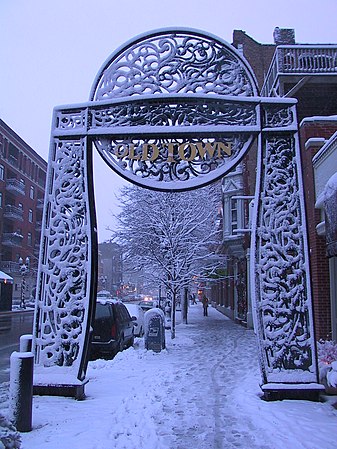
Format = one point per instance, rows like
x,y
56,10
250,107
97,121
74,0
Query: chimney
x,y
284,36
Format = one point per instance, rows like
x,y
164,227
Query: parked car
x,y
103,294
147,304
136,311
113,328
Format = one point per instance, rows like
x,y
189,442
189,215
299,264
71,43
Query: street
x,y
12,326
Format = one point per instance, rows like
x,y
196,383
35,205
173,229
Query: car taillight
x,y
113,331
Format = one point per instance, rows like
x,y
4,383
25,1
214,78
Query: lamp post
x,y
24,270
159,297
103,280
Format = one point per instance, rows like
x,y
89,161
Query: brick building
x,y
309,74
22,181
325,264
314,132
110,275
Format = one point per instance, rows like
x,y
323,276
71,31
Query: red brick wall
x,y
318,99
258,55
318,260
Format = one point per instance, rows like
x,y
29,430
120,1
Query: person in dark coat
x,y
205,304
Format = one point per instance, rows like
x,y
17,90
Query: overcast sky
x,y
51,51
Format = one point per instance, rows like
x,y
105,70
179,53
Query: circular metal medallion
x,y
177,109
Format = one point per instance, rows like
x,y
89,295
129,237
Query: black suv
x,y
112,329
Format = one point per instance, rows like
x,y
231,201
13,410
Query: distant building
x,y
110,276
22,183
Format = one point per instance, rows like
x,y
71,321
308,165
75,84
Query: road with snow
x,y
12,326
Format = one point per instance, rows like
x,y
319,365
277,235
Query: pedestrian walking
x,y
168,309
205,304
192,299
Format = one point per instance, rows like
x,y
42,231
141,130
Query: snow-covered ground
x,y
201,392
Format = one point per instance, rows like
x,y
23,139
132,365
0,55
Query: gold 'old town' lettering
x,y
187,151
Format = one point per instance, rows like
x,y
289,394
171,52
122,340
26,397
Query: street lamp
x,y
24,270
103,282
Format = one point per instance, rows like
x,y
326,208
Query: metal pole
x,y
26,343
21,390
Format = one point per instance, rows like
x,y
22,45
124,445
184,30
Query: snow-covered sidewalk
x,y
201,392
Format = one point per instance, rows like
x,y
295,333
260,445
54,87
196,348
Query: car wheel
x,y
121,344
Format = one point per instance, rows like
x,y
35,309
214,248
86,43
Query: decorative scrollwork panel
x,y
64,276
283,300
172,113
174,62
278,115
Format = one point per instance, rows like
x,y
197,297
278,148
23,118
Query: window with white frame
x,y
234,215
32,192
30,216
2,172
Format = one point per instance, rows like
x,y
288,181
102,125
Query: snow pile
x,y
201,392
9,437
331,187
327,362
331,375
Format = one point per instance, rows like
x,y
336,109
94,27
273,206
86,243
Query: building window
x,y
32,192
2,172
29,239
234,221
30,216
234,215
0,199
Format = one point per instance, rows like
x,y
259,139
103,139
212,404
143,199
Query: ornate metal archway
x,y
175,110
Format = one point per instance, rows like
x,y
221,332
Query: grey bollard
x,y
26,343
21,390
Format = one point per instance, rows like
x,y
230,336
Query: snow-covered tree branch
x,y
169,235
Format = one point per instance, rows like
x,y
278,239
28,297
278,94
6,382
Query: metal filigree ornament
x,y
178,160
174,62
193,157
284,310
66,254
176,83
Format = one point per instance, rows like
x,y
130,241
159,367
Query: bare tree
x,y
169,235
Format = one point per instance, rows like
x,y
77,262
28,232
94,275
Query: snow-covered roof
x,y
329,146
330,187
5,277
319,118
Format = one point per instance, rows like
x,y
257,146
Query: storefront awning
x,y
5,278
